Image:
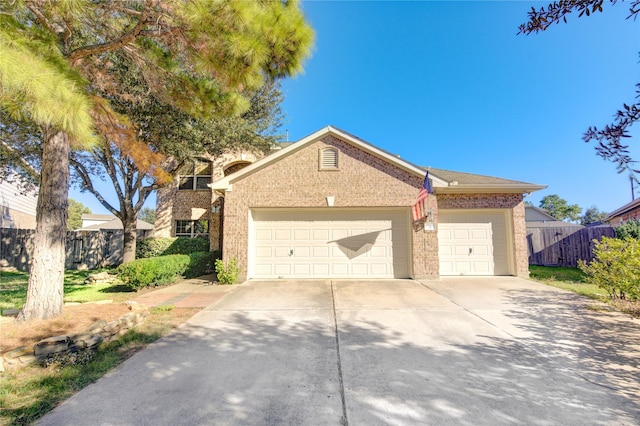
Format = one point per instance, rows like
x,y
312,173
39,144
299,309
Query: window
x,y
195,176
192,228
329,158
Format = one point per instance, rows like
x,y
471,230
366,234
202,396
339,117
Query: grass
x,y
13,289
572,279
29,393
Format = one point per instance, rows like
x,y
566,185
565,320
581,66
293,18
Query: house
x,y
535,217
334,206
98,222
630,211
17,209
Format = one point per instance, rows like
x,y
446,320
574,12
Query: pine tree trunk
x,y
129,225
46,277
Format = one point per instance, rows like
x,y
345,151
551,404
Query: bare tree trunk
x,y
46,278
129,225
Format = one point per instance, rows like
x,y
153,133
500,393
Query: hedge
x,y
154,247
153,271
164,270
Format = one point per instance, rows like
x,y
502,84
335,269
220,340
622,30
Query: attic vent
x,y
329,158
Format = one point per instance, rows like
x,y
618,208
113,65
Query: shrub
x,y
200,263
153,271
227,272
616,267
629,229
154,247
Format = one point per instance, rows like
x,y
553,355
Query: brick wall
x,y
512,202
361,180
173,204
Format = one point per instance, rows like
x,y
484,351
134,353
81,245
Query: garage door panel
x,y
281,252
282,235
473,243
358,244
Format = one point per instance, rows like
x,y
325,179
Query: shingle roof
x,y
470,178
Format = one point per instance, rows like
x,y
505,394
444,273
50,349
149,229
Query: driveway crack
x,y
344,421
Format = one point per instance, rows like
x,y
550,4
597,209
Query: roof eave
x,y
491,189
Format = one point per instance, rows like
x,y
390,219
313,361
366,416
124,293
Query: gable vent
x,y
329,159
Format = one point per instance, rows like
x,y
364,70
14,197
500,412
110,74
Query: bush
x,y
153,271
616,267
630,229
200,263
154,247
227,272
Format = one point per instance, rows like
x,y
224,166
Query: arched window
x,y
329,158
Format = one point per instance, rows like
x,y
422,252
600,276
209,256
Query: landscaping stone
x,y
97,325
10,312
51,345
17,353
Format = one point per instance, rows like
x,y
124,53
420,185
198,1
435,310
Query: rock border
x,y
98,332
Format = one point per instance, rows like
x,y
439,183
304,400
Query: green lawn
x,y
13,289
572,279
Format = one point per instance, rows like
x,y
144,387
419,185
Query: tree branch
x,y
16,156
125,39
81,170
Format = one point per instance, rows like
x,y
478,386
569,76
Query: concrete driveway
x,y
457,351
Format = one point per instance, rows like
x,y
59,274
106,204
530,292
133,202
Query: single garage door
x,y
329,244
473,243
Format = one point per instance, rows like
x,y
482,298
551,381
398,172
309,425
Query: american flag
x,y
418,211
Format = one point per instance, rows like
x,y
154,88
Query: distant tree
x,y
560,208
592,215
76,210
609,139
147,214
629,229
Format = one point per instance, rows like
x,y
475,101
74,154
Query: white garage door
x,y
330,244
473,243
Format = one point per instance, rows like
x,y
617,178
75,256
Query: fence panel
x,y
84,249
564,246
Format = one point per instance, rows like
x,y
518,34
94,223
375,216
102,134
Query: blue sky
x,y
451,85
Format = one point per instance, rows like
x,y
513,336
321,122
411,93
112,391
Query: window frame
x,y
189,228
195,178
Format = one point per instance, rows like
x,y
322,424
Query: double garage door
x,y
371,243
474,243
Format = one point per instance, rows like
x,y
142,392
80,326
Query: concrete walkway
x,y
464,352
189,293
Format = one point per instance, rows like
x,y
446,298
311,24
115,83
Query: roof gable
x,y
442,180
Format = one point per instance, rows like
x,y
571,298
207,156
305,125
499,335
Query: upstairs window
x,y
192,228
329,158
196,175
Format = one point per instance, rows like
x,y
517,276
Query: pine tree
x,y
55,57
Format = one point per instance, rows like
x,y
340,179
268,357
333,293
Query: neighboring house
x,y
17,210
630,211
103,222
537,217
335,206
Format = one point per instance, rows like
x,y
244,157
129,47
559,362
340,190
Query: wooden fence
x,y
564,246
84,250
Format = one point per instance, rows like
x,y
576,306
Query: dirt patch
x,y
75,318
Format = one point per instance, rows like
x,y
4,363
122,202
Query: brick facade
x,y
297,180
173,204
361,180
